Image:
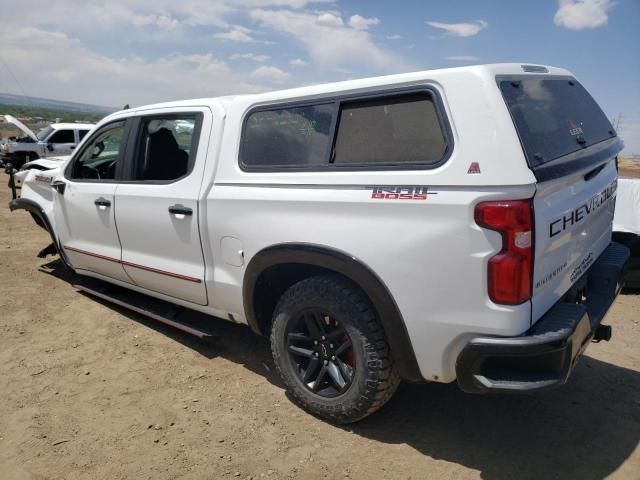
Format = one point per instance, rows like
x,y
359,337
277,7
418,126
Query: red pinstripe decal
x,y
162,272
84,252
135,265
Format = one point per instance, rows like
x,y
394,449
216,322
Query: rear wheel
x,y
331,351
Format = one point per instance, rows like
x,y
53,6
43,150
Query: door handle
x,y
102,202
180,210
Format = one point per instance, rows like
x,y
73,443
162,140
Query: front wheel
x,y
330,350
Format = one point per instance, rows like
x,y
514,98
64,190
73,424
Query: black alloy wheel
x,y
321,353
331,351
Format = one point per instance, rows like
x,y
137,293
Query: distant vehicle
x,y
54,140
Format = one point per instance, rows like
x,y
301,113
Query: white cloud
x,y
298,62
468,29
270,73
236,34
395,36
463,58
169,50
580,14
329,43
250,56
66,69
279,3
360,23
330,20
121,14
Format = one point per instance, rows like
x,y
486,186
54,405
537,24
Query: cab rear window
x,y
554,117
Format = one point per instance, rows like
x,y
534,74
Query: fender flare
x,y
36,210
355,270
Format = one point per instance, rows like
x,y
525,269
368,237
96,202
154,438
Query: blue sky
x,y
144,51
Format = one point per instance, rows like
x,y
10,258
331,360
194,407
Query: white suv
x,y
433,226
52,141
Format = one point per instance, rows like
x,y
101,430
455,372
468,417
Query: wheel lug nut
x,y
315,342
324,338
333,357
326,362
315,354
331,345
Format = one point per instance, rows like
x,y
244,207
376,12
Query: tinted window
x,y
44,133
62,136
296,136
99,158
165,144
554,117
389,131
81,134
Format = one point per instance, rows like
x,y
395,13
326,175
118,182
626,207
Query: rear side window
x,y
297,136
554,117
165,146
390,131
82,133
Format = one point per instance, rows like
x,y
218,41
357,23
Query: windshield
x,y
554,117
44,133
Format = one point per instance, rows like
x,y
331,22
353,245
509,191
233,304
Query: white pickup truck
x,y
55,140
433,226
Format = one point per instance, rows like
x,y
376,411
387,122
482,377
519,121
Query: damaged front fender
x,y
42,220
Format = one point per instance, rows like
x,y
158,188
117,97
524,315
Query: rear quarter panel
x,y
430,254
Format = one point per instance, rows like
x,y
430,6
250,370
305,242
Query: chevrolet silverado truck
x,y
445,225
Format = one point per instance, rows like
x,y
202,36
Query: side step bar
x,y
104,295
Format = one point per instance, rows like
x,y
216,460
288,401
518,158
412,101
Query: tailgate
x,y
570,146
573,218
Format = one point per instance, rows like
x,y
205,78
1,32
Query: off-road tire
x,y
375,379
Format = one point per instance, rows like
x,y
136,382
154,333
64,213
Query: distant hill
x,y
47,103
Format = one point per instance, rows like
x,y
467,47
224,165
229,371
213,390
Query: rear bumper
x,y
544,356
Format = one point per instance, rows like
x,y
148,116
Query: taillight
x,y
510,271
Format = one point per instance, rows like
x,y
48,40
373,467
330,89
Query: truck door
x,y
61,142
157,208
84,205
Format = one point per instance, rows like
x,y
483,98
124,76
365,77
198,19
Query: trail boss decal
x,y
583,211
582,267
400,192
43,179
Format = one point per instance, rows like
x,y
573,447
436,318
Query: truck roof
x,y
62,126
440,75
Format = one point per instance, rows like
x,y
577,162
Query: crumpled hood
x,y
49,162
27,131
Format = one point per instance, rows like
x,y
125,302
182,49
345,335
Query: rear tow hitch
x,y
603,332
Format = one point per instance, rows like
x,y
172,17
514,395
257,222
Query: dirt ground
x,y
91,391
628,168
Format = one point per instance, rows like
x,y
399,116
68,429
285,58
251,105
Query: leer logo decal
x,y
474,168
400,192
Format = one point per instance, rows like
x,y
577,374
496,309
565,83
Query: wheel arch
x,y
41,219
292,262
